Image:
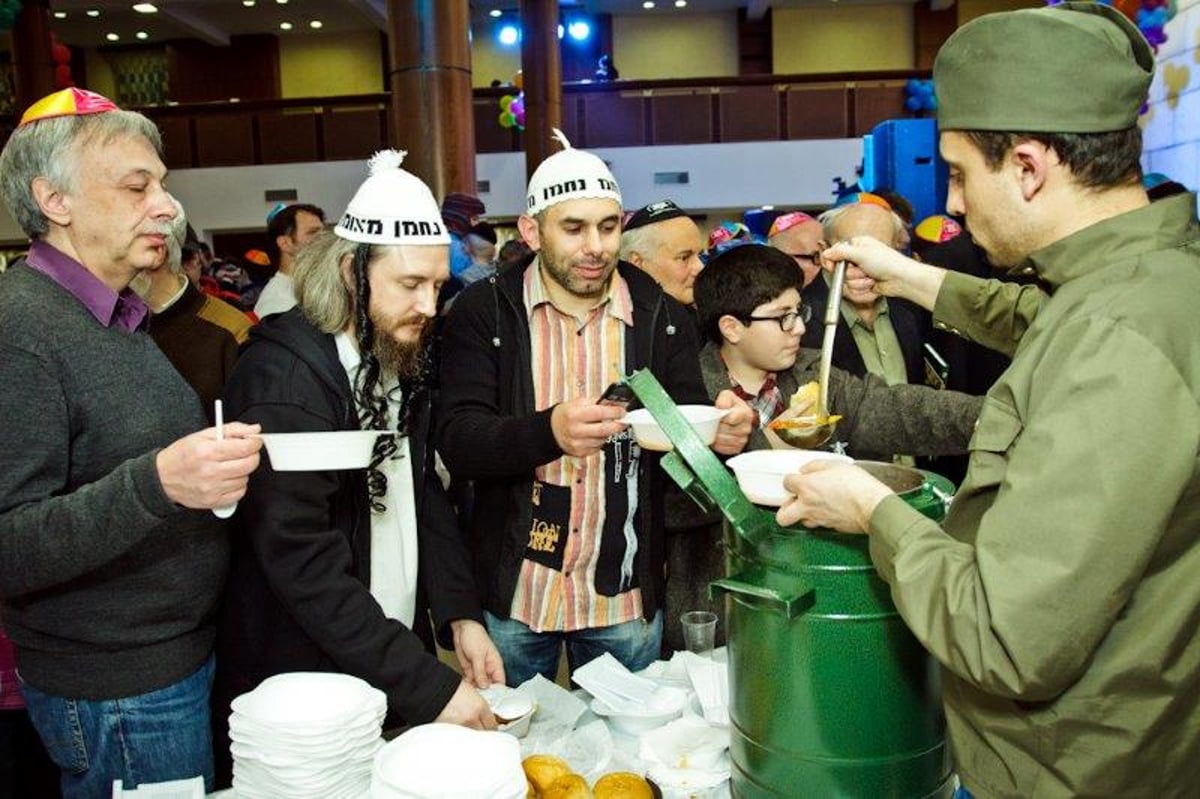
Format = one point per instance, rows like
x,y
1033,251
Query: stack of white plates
x,y
306,735
444,761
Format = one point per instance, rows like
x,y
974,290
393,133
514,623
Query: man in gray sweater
x,y
112,562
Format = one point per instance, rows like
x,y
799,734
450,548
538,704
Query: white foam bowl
x,y
704,419
512,705
316,452
667,704
760,473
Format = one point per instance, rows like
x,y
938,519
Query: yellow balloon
x,y
506,101
518,80
506,119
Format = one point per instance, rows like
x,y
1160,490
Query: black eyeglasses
x,y
813,257
787,321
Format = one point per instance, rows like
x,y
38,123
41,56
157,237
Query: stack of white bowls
x,y
444,761
306,735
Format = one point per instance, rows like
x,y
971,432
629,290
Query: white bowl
x,y
512,705
760,473
705,419
667,704
317,452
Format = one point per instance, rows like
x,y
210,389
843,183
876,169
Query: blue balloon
x,y
914,104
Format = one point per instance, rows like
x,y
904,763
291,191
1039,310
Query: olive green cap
x,y
1077,67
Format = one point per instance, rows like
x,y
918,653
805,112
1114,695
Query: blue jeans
x,y
153,737
635,644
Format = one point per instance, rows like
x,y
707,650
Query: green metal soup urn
x,y
830,694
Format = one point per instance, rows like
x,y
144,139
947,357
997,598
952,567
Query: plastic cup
x,y
699,631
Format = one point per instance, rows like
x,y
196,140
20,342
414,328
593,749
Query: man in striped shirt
x,y
567,527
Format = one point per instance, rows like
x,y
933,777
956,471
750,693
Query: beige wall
x,y
100,76
652,46
490,61
330,64
969,9
848,39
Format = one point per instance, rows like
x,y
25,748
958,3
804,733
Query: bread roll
x,y
568,786
622,785
807,396
541,770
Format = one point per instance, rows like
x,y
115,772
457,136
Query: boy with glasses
x,y
748,300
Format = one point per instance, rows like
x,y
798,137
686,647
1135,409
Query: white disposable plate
x,y
760,473
296,699
324,451
704,419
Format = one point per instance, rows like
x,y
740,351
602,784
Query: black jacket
x,y
911,323
298,597
489,432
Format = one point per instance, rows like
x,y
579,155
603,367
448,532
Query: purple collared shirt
x,y
125,310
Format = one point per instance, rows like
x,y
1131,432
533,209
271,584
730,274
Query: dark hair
x,y
513,251
739,280
284,224
485,231
368,394
899,203
1097,160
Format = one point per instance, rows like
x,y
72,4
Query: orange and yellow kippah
x,y
861,198
68,103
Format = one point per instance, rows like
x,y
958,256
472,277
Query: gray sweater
x,y
108,588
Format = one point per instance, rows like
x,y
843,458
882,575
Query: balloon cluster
x,y
919,96
1150,16
62,63
512,106
9,10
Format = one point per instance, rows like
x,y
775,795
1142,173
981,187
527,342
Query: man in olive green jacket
x,y
1062,594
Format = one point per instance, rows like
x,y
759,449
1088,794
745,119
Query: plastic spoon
x,y
226,511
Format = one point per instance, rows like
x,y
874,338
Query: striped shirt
x,y
570,358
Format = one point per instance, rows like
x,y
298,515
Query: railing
x,y
618,114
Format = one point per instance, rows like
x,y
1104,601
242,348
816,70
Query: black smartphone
x,y
620,395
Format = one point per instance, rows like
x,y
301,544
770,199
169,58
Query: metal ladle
x,y
810,436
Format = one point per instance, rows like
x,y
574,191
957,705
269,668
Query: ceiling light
x,y
495,12
561,31
112,37
60,14
285,26
281,2
142,35
579,30
248,3
648,4
92,12
146,8
508,35
316,24
680,3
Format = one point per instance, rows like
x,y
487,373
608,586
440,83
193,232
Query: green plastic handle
x,y
692,485
742,587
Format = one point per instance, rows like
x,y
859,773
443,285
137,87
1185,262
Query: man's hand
x,y
581,426
737,425
477,655
834,495
197,471
468,708
893,273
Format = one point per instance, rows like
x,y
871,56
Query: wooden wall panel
x,y
353,133
177,141
817,113
225,139
875,103
288,137
749,113
614,120
682,117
